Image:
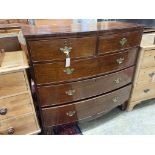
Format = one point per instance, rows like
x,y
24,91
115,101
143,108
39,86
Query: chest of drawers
x,y
17,113
144,80
98,77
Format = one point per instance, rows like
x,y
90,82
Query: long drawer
x,y
143,92
69,92
148,58
146,75
25,124
49,49
15,106
56,72
85,109
113,42
12,83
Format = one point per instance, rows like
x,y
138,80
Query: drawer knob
x,y
146,90
152,74
11,131
3,111
120,60
123,41
69,70
115,99
117,80
71,113
66,50
70,92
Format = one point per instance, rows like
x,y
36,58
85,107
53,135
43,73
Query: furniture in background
x,y
11,21
81,71
17,113
144,80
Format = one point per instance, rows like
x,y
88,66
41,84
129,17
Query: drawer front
x,y
19,126
143,92
15,106
69,92
12,83
85,109
56,72
146,75
148,59
43,50
113,42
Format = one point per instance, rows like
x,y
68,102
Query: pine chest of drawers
x,y
81,71
144,80
17,114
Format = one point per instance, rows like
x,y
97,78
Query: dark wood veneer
x,y
56,94
49,49
95,67
54,72
84,109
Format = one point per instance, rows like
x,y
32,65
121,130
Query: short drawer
x,y
69,92
85,109
12,83
44,50
56,72
143,92
146,75
25,124
148,59
15,106
117,41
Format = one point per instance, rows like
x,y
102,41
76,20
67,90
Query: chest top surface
x,y
81,28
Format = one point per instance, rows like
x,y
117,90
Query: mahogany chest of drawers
x,y
81,71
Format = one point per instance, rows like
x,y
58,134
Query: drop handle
x,y
71,113
11,131
117,81
151,74
123,41
115,99
3,111
146,90
120,60
66,50
68,71
70,92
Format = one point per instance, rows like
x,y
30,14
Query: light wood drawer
x,y
12,83
146,75
25,124
143,92
15,106
148,59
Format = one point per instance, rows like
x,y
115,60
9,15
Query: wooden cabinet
x,y
144,80
17,113
81,74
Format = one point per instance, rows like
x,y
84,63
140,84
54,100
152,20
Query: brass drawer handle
x,y
120,60
70,92
117,81
146,90
123,41
152,74
71,113
115,99
69,70
11,131
66,50
3,111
